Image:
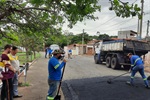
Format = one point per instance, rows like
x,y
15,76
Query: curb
x,y
74,96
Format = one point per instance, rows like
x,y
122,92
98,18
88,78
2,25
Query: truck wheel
x,y
114,63
96,59
108,62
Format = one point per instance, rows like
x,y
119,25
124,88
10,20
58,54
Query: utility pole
x,y
138,31
147,28
141,21
83,42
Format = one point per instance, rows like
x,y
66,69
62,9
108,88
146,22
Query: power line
x,y
132,26
103,23
135,1
129,26
116,24
113,26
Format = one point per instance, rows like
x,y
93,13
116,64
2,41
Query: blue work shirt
x,y
54,69
136,60
70,51
50,51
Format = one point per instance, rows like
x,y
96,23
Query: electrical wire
x,y
116,24
103,23
135,1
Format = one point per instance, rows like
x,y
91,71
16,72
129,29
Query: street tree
x,y
103,36
125,9
42,14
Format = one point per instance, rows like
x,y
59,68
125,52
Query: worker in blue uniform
x,y
50,51
54,73
137,66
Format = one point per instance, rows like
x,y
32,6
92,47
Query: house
x,y
127,34
90,47
77,49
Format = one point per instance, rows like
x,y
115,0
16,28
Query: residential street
x,y
75,49
37,76
83,80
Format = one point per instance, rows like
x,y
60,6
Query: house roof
x,y
77,45
92,42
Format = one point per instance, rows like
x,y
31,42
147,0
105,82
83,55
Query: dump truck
x,y
114,51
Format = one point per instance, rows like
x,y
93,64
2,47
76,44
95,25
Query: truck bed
x,y
125,45
115,45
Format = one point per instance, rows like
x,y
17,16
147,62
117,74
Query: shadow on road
x,y
97,88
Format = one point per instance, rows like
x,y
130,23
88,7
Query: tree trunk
x,y
27,55
31,57
34,54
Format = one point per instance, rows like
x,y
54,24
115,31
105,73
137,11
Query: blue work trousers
x,y
139,69
15,84
53,87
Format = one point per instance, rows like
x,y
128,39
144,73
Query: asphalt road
x,y
85,80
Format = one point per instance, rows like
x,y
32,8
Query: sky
x,y
109,23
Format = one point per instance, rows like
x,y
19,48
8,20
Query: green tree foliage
x,y
125,9
61,40
42,14
32,42
43,18
103,36
68,38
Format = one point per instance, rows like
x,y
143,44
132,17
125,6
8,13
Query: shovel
x,y
58,97
109,81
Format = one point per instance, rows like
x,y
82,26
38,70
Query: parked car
x,y
54,46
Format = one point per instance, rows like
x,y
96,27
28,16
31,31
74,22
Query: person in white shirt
x,y
15,63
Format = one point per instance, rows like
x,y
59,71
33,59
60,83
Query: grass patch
x,y
22,57
24,84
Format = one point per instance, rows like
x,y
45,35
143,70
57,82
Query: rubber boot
x,y
146,84
129,83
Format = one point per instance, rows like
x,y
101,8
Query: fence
x,y
23,71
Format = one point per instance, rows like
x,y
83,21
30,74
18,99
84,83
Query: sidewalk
x,y
37,78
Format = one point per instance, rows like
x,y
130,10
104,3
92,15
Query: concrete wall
x,y
147,59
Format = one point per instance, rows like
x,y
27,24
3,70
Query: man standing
x,y
50,52
69,54
46,50
137,66
54,70
15,63
7,87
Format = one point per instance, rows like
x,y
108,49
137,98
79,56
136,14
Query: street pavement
x,y
37,76
84,80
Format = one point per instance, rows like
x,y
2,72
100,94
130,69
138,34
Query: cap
x,y
58,51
